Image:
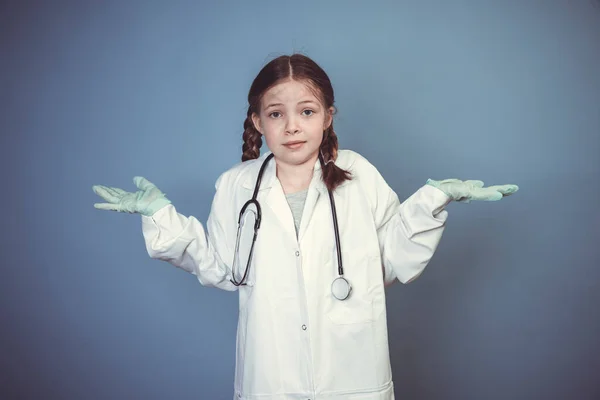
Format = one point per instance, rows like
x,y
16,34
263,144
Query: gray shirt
x,y
296,202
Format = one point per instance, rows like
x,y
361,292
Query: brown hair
x,y
300,68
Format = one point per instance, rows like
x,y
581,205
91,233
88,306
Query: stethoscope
x,y
340,287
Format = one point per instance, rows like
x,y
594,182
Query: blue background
x,y
98,92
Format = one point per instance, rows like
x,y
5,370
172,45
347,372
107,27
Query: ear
x,y
256,122
328,118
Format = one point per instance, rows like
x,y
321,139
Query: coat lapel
x,y
276,201
271,194
316,191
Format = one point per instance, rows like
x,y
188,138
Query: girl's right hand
x,y
146,201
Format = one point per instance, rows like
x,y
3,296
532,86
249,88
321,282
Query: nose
x,y
291,127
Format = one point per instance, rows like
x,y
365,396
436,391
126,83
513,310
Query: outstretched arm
x,y
182,241
412,232
409,232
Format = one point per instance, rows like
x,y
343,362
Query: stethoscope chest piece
x,y
341,288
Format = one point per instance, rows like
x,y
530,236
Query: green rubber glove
x,y
465,191
146,201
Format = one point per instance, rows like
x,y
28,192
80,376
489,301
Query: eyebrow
x,y
280,104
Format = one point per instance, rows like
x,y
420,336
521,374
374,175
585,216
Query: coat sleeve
x,y
183,242
408,232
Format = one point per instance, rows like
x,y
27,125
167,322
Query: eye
x,y
311,112
275,114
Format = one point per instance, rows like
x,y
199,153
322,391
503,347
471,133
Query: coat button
x,y
297,253
303,327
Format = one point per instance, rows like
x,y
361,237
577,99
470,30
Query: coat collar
x,y
271,191
270,175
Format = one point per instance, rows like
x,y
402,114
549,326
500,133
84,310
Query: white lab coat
x,y
294,340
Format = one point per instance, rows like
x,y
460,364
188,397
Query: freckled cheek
x,y
273,123
273,128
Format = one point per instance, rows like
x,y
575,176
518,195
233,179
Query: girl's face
x,y
292,120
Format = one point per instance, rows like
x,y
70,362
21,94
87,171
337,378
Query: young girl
x,y
311,271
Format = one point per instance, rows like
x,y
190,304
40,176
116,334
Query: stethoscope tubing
x,y
254,201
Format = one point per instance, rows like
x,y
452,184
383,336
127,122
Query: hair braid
x,y
333,175
252,139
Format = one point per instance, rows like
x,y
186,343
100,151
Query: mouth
x,y
294,145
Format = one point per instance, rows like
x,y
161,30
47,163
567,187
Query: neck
x,y
295,178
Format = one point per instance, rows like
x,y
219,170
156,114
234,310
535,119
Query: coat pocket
x,y
351,311
360,306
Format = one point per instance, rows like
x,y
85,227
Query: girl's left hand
x,y
465,191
